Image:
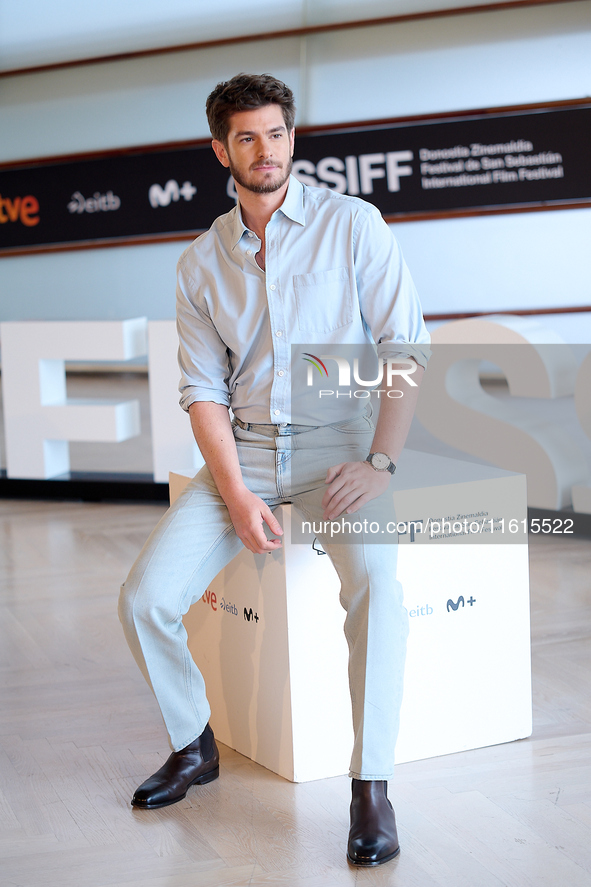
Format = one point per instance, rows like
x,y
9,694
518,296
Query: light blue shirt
x,y
334,276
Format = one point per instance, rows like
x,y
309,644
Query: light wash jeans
x,y
195,539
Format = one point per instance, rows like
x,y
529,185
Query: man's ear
x,y
221,153
292,141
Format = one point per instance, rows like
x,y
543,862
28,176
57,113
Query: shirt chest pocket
x,y
324,300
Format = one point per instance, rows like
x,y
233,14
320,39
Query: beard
x,y
263,187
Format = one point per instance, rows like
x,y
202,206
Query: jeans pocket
x,y
360,425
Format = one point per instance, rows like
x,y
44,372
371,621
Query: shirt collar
x,y
292,207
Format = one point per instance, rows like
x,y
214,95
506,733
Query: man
x,y
289,265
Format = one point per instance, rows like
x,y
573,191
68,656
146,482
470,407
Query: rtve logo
x,y
210,599
19,209
355,175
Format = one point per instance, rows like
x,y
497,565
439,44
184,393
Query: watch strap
x,y
390,467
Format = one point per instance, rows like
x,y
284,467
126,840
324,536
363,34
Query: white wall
x,y
500,262
495,58
33,32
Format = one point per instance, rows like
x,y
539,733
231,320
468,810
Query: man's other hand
x,y
350,486
248,514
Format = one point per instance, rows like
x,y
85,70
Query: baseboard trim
x,y
95,486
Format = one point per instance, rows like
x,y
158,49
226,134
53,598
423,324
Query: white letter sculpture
x,y
536,363
173,444
582,492
39,419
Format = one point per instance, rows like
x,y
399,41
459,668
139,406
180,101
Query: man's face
x,y
258,149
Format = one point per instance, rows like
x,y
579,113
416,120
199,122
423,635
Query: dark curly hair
x,y
245,92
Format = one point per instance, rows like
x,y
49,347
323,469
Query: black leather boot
x,y
196,764
373,838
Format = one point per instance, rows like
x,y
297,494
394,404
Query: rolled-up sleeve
x,y
202,355
388,299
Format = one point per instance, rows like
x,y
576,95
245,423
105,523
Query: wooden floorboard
x,y
79,730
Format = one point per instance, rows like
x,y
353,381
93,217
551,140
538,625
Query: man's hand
x,y
351,485
248,513
213,433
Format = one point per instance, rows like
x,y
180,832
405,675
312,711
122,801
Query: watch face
x,y
380,461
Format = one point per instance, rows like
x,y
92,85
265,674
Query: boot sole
x,y
200,780
369,863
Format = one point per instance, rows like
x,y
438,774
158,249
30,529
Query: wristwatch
x,y
381,462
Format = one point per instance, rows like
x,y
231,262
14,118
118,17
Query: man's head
x,y
251,120
245,92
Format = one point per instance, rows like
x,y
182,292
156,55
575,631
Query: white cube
x,y
268,634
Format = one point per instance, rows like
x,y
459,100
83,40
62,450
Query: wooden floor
x,y
79,730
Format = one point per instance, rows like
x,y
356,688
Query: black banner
x,y
470,163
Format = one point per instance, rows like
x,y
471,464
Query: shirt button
x,y
280,373
272,287
279,333
277,412
249,252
